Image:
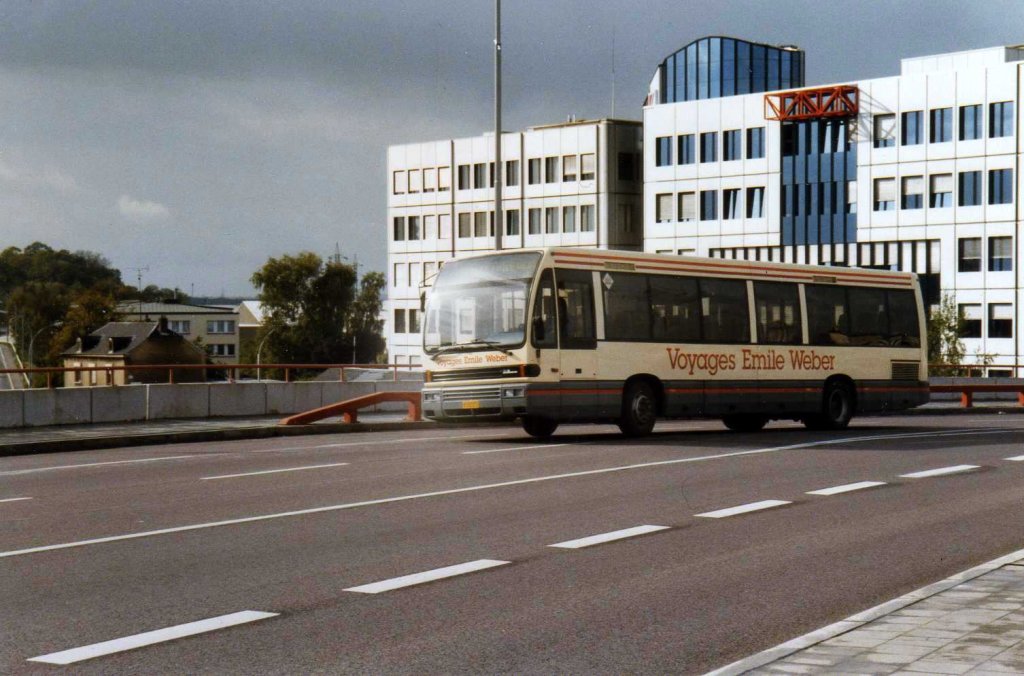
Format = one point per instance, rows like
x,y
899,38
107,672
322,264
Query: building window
x,y
589,167
465,177
731,140
551,170
913,192
885,194
568,219
1000,186
415,181
687,206
414,321
223,349
1000,254
446,226
663,151
465,225
414,227
663,208
708,205
399,183
731,203
398,228
512,173
551,220
587,218
220,326
569,168
970,122
182,326
534,216
480,224
399,321
1000,320
398,274
941,128
755,202
970,320
627,167
755,143
533,171
912,131
429,226
709,147
885,130
490,173
941,191
479,175
684,149
1000,119
626,217
444,179
429,180
851,197
512,222
969,258
970,189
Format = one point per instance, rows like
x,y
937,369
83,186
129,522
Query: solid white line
x,y
1016,458
470,489
608,537
835,490
374,443
13,499
513,448
427,576
940,471
96,464
151,637
743,509
272,471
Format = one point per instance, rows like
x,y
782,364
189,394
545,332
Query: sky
x,y
199,138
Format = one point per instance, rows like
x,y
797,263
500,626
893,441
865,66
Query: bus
x,y
560,335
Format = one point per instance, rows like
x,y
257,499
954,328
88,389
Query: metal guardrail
x,y
967,391
349,410
231,369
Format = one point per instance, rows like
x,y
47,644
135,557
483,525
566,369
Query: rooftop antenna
x,y
138,282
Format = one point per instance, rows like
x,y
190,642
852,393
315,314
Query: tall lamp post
x,y
31,343
259,351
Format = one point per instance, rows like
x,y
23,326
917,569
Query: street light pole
x,y
259,350
31,343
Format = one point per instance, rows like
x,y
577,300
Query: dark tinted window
x,y
724,313
828,318
576,309
626,307
675,309
544,309
904,327
869,321
777,313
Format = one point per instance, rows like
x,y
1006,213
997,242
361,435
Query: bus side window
x,y
576,326
543,316
828,319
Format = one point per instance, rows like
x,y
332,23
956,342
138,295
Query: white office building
x,y
916,172
573,184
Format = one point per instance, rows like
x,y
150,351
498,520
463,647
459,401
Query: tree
x,y
311,310
89,310
945,326
366,323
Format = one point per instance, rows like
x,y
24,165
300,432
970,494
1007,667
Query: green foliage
x,y
312,310
89,310
945,325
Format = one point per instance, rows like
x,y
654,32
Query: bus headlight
x,y
432,397
517,392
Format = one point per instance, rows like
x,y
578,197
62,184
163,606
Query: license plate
x,y
471,403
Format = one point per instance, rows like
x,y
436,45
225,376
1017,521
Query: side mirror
x,y
538,329
423,301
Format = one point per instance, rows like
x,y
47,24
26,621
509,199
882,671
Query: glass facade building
x,y
713,67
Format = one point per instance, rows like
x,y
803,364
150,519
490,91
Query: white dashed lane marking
x,y
273,471
151,637
743,509
13,499
16,472
940,471
427,576
513,448
608,537
846,488
1016,458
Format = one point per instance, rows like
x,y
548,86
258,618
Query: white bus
x,y
580,335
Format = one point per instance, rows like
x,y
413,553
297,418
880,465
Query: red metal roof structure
x,y
810,104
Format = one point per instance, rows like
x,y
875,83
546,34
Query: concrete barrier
x,y
237,399
178,401
118,404
283,398
333,393
12,408
64,406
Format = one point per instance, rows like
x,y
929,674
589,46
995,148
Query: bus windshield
x,y
480,304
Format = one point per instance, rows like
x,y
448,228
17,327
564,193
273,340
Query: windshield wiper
x,y
470,346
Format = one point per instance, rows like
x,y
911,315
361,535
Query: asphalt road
x,y
96,547
9,381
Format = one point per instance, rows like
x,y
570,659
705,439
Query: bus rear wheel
x,y
639,410
745,423
836,408
538,427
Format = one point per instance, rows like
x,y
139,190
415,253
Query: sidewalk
x,y
970,623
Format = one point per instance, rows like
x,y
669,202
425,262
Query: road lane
x,y
697,595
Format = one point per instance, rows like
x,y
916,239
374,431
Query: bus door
x,y
779,329
545,397
577,339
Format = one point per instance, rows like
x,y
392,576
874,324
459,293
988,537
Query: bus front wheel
x,y
836,408
639,410
745,423
541,428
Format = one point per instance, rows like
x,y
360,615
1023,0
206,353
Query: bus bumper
x,y
478,402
